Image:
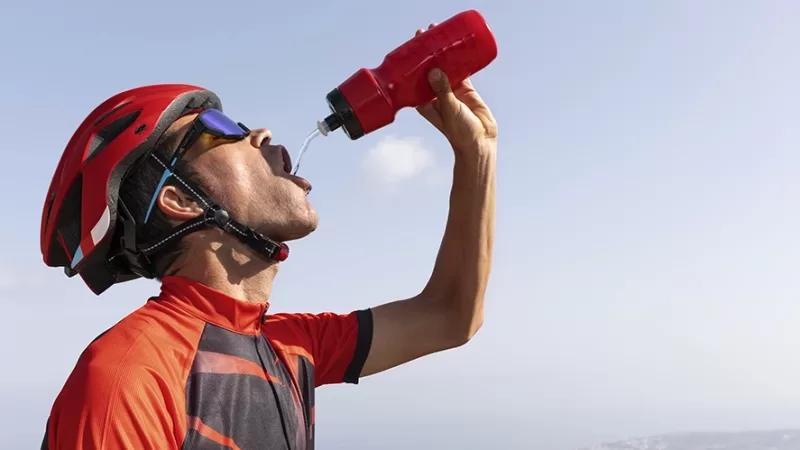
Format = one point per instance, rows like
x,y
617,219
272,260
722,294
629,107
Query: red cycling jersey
x,y
196,369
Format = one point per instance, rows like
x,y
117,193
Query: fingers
x,y
441,87
420,30
430,111
448,104
462,89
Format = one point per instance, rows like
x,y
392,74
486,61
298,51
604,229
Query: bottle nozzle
x,y
330,123
323,128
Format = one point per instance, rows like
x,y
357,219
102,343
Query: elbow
x,y
459,317
466,327
474,325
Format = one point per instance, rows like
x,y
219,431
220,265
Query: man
x,y
158,183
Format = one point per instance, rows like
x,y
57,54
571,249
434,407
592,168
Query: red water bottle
x,y
370,98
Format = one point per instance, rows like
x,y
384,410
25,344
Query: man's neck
x,y
227,266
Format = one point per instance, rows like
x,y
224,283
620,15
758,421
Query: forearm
x,y
462,268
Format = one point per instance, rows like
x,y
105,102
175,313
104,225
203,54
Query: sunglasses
x,y
213,123
210,122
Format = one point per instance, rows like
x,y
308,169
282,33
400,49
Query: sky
x,y
645,277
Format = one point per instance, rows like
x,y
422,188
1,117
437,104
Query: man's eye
x,y
207,139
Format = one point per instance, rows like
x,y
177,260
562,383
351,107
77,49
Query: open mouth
x,y
287,167
287,160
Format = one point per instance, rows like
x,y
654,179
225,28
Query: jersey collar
x,y
213,306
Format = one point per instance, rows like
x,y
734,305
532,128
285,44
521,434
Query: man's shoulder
x,y
299,320
289,331
130,371
336,345
137,361
146,340
298,326
287,320
304,333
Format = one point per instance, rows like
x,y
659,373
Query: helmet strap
x,y
139,256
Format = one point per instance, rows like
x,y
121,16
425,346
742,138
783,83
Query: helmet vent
x,y
109,133
69,217
108,114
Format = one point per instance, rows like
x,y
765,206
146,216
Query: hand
x,y
460,114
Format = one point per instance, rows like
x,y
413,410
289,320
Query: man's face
x,y
251,178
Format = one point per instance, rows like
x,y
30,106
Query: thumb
x,y
447,101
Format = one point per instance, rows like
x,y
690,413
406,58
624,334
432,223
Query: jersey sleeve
x,y
112,408
337,343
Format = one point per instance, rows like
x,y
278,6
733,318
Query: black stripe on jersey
x,y
363,344
220,340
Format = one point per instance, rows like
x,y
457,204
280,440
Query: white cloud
x,y
394,161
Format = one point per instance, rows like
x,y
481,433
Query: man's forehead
x,y
181,126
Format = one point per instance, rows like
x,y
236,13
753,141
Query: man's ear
x,y
176,205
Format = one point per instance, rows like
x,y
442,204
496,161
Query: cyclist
x,y
158,183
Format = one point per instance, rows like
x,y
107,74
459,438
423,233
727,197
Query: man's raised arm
x,y
449,310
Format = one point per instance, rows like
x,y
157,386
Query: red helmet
x,y
80,210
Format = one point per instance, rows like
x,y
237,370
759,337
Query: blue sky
x,y
647,252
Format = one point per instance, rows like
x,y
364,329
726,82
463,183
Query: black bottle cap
x,y
343,115
332,122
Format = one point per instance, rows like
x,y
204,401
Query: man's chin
x,y
297,229
296,235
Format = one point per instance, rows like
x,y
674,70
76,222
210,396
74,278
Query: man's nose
x,y
260,137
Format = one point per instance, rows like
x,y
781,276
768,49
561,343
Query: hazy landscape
x,y
753,440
